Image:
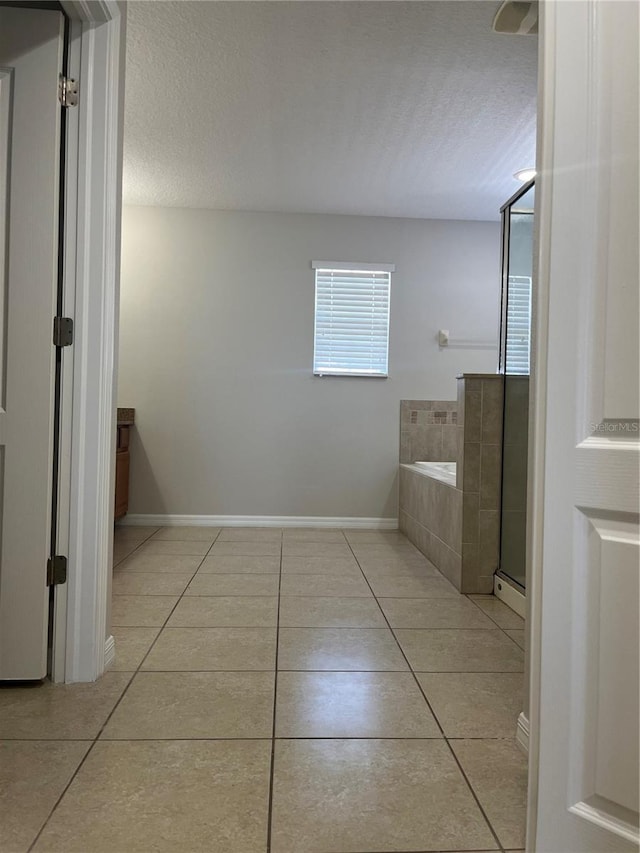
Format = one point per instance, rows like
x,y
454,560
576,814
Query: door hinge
x,y
62,331
68,91
56,570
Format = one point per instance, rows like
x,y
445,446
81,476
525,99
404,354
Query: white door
x,y
586,741
30,62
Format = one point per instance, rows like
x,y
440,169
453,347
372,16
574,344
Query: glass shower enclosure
x,y
515,359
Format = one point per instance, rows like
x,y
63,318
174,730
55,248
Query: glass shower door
x,y
515,354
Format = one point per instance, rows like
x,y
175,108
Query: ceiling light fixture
x,y
525,174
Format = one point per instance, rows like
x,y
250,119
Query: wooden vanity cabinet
x,y
122,471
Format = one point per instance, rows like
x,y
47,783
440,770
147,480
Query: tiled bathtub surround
x,y
428,430
431,518
458,528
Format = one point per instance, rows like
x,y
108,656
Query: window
x,y
518,324
351,319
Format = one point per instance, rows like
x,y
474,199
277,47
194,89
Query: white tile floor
x,y
281,691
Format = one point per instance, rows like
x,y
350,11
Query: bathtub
x,y
443,471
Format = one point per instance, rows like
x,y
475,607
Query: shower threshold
x,y
511,593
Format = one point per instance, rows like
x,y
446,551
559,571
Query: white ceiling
x,y
411,109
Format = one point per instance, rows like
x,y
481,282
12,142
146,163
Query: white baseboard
x,y
511,596
109,652
258,521
522,733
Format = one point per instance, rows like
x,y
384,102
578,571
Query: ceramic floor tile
x,y
191,547
391,562
173,705
171,563
205,583
502,615
403,587
246,549
497,771
352,705
343,566
460,651
33,774
475,704
312,534
132,644
141,611
309,611
291,548
204,796
193,649
250,534
415,569
434,613
231,565
149,583
122,551
240,611
129,531
325,585
517,635
366,795
346,649
376,537
382,550
184,534
59,711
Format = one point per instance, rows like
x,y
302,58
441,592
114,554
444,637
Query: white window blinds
x,y
351,319
518,343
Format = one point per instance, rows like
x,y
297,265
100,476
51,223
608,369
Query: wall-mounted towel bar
x,y
460,343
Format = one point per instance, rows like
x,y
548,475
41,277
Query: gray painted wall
x,y
216,341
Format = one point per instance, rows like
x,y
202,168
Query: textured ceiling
x,y
378,108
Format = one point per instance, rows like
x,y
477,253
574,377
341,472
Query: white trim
x,y
543,226
109,652
98,169
522,733
604,821
352,266
258,521
509,595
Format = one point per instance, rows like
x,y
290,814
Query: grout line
x,y
507,738
437,720
504,630
345,671
273,723
111,713
135,548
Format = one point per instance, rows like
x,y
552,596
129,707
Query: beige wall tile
x,y
471,480
492,410
490,476
488,541
470,517
449,443
473,410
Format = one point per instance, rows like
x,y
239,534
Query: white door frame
x,y
92,249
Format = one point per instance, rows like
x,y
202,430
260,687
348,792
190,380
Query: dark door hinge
x,y
62,331
68,91
56,570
